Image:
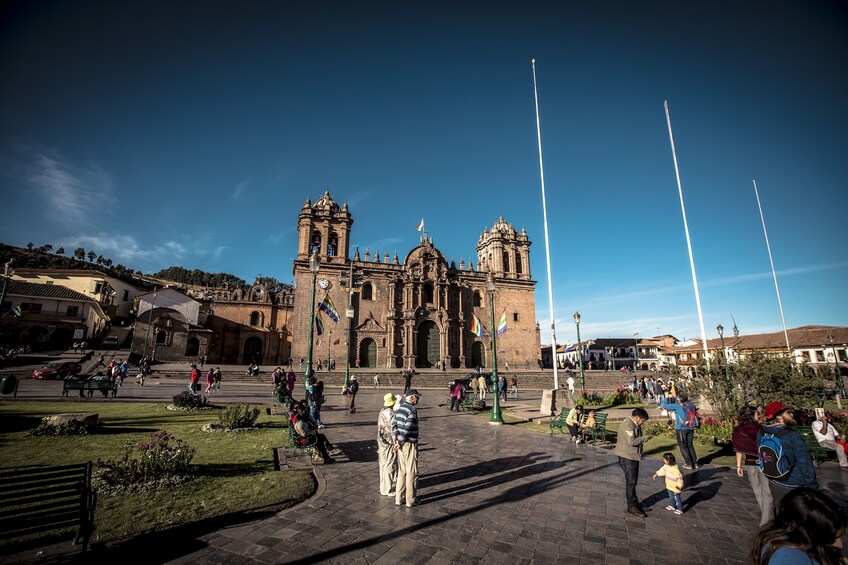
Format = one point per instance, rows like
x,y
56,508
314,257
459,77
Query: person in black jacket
x,y
352,387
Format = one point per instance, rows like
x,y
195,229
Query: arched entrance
x,y
252,351
368,353
61,338
478,355
429,352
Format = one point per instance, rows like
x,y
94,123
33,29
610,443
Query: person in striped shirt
x,y
405,432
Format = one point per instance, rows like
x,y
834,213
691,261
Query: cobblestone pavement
x,y
494,494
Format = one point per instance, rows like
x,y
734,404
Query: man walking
x,y
628,447
482,385
780,448
405,432
386,454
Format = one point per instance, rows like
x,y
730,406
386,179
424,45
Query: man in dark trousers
x,y
628,447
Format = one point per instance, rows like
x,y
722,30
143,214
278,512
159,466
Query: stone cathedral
x,y
413,312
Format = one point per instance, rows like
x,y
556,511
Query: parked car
x,y
110,342
57,370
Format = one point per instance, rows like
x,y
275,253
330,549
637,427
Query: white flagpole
x,y
547,240
688,241
773,274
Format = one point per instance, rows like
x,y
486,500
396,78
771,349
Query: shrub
x,y
586,398
719,429
72,428
238,416
622,395
659,428
163,460
186,399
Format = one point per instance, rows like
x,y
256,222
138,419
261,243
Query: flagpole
x,y
688,240
773,274
547,239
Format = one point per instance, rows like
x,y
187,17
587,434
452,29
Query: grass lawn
x,y
236,475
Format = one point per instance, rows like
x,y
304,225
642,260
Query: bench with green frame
x,y
817,452
35,500
559,421
467,402
299,445
90,386
599,430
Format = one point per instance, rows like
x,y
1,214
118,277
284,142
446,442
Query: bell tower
x,y
324,227
504,251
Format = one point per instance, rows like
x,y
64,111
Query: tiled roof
x,y
35,290
804,336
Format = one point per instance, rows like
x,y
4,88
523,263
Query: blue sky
x,y
190,133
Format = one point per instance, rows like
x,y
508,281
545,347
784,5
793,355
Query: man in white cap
x,y
385,443
405,432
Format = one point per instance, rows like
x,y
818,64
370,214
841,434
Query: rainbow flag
x,y
476,327
319,325
327,307
420,225
502,323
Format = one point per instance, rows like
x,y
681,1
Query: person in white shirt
x,y
570,382
828,437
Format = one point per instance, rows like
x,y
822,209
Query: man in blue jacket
x,y
684,428
780,420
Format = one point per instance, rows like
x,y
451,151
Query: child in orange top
x,y
673,482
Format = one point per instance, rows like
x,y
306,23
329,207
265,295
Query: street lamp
x,y
580,352
840,384
147,332
314,264
636,350
496,407
720,330
329,355
8,271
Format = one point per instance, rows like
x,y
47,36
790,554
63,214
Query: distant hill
x,y
196,277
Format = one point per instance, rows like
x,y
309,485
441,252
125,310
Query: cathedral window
x,y
505,262
519,268
367,291
477,300
254,318
315,242
428,292
515,316
333,245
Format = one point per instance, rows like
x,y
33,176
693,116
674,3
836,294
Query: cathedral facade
x,y
410,313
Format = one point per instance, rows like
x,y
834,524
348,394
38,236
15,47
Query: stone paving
x,y
493,494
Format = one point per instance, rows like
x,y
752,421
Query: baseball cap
x,y
774,409
413,392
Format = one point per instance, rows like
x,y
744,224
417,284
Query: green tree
x,y
79,253
60,251
92,256
30,246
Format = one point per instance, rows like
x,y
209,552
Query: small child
x,y
673,482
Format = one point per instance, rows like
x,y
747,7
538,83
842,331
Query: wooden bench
x,y
34,500
599,430
817,452
559,421
299,445
89,387
467,402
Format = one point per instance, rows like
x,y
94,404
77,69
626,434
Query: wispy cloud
x,y
237,192
218,251
118,247
176,248
357,198
74,195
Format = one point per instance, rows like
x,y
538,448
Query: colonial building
x,y
414,312
170,326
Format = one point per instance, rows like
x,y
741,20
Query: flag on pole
x,y
319,325
476,327
327,307
502,323
420,225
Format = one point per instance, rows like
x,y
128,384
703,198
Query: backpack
x,y
773,462
692,421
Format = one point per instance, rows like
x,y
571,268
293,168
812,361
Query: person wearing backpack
x,y
686,421
748,462
783,455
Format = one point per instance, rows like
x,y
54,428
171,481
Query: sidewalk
x,y
489,494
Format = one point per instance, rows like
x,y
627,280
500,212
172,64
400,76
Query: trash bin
x,y
9,385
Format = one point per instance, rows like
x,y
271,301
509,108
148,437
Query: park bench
x,y
298,446
467,402
34,500
559,421
89,387
600,429
817,452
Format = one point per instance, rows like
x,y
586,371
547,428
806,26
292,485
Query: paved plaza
x,y
489,494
